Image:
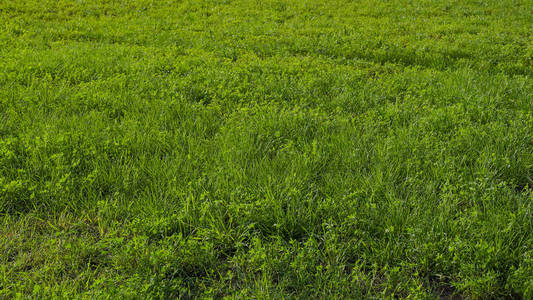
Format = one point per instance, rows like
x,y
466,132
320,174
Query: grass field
x,y
267,149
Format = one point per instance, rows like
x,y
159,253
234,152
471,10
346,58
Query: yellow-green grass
x,y
267,149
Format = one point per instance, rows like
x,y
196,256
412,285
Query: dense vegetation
x,y
246,148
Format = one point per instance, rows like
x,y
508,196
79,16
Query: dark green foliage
x,y
266,149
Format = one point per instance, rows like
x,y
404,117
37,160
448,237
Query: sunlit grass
x,y
268,149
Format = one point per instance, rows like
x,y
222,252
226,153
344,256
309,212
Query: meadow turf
x,y
267,149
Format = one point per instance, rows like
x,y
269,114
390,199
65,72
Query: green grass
x,y
267,149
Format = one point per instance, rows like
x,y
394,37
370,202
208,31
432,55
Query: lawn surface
x,y
268,149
